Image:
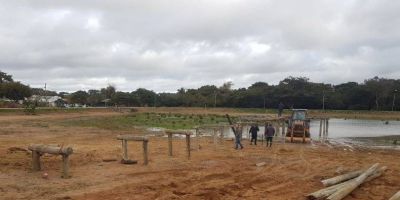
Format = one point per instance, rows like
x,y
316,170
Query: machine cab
x,y
299,114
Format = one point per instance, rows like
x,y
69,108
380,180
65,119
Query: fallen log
x,y
14,149
341,178
395,196
261,164
323,193
132,138
346,189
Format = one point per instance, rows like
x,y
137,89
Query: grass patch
x,y
126,122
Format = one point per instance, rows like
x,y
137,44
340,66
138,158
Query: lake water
x,y
354,131
342,128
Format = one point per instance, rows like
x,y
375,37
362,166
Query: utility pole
x,y
45,95
394,99
215,99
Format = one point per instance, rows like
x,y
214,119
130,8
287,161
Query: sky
x,y
168,44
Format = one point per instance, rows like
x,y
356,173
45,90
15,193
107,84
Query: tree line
x,y
294,92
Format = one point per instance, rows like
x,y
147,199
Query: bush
x,y
30,108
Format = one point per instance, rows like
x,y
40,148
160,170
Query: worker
x,y
253,130
238,136
281,106
269,134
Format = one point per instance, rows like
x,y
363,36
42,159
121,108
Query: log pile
x,y
340,186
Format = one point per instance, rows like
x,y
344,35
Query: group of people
x,y
268,133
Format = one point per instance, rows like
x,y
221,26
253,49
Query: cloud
x,y
165,45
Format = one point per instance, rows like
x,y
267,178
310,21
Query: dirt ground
x,y
213,172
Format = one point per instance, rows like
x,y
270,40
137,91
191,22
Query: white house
x,y
50,100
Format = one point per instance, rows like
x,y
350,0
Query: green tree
x,y
5,78
15,90
79,97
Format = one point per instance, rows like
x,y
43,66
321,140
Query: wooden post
x,y
323,130
188,145
215,138
304,132
125,138
327,127
221,134
197,139
145,157
65,166
36,166
320,129
291,132
283,127
124,150
170,144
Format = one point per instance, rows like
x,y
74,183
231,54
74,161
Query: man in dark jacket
x,y
269,134
281,106
253,130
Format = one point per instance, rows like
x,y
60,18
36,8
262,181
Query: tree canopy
x,y
294,92
13,90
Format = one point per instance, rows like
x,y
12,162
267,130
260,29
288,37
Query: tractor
x,y
298,125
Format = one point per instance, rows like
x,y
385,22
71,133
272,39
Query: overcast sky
x,y
167,44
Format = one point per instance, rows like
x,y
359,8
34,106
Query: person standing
x,y
281,106
254,131
269,134
238,136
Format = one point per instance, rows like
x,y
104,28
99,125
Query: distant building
x,y
51,101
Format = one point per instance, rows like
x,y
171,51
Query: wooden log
x,y
332,189
188,145
65,166
40,148
261,164
230,123
132,138
395,196
348,188
170,144
36,166
145,152
177,132
341,178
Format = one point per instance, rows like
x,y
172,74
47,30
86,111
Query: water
x,y
341,128
349,130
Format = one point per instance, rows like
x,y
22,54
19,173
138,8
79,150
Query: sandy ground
x,y
213,172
